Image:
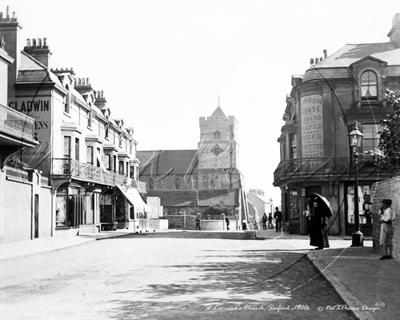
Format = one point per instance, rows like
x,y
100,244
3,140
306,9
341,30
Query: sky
x,y
163,64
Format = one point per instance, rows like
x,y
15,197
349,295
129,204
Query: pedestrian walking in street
x,y
270,225
255,225
264,221
227,222
278,220
386,216
198,223
318,224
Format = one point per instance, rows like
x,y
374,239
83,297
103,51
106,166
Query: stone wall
x,y
388,189
178,222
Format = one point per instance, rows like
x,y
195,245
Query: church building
x,y
190,181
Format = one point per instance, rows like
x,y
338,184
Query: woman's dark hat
x,y
387,201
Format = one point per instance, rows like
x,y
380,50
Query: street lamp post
x,y
355,141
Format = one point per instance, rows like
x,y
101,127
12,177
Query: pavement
x,y
369,287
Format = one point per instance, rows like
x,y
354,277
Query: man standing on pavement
x,y
387,216
278,220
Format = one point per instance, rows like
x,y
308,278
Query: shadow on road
x,y
241,284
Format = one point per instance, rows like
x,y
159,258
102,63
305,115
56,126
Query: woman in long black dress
x,y
318,226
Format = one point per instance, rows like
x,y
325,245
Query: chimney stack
x,y
100,100
39,50
10,30
394,33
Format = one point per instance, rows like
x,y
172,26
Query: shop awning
x,y
133,196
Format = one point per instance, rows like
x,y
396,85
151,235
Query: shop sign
x,y
312,126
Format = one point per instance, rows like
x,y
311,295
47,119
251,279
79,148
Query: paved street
x,y
166,276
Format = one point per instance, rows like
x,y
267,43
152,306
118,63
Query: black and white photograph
x,y
199,159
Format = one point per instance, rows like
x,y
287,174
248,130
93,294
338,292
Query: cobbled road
x,y
168,276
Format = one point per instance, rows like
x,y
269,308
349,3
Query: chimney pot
x,y
39,42
87,81
28,42
311,61
325,53
45,42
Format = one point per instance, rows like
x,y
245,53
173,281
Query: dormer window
x,y
369,85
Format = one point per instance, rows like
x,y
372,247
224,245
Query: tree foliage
x,y
389,142
217,209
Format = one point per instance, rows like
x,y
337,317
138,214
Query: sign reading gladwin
x,y
312,127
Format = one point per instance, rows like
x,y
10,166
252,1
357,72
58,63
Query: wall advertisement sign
x,y
312,126
39,109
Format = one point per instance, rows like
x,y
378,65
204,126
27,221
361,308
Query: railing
x,y
324,167
16,123
87,172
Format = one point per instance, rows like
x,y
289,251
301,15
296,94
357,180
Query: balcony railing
x,y
324,168
17,124
86,172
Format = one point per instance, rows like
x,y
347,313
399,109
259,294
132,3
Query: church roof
x,y
162,162
218,113
218,196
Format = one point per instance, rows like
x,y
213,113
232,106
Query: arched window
x,y
177,183
217,135
369,85
151,184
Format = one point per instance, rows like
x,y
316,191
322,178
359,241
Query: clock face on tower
x,y
216,150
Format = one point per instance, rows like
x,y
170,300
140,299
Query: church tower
x,y
218,151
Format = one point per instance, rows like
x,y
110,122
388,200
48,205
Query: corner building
x,y
321,110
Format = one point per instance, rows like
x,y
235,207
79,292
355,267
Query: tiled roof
x,y
32,70
218,113
160,162
351,53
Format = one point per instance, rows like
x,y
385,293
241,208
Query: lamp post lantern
x,y
355,141
270,201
